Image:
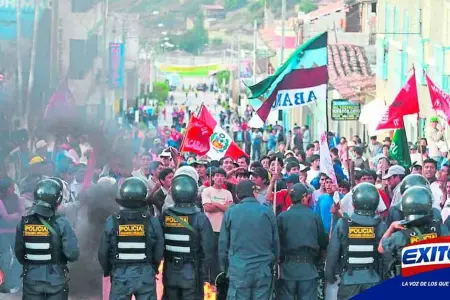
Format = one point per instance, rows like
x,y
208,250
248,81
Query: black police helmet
x,y
417,202
365,199
413,180
133,193
298,191
48,193
184,189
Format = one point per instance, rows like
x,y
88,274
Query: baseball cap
x,y
165,154
41,144
289,152
260,172
195,163
304,168
293,178
394,170
245,188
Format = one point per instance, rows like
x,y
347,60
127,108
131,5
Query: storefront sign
x,y
345,110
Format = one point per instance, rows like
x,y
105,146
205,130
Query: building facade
x,y
412,33
79,49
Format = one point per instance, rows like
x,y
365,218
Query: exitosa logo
x,y
425,256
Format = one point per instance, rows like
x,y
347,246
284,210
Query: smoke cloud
x,y
97,204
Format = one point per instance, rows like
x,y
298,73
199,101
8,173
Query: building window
x,y
373,8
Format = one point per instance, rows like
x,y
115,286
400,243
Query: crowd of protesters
x,y
278,159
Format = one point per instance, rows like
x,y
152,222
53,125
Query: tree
x,y
307,6
160,91
194,40
234,4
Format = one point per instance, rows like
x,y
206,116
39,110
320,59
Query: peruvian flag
x,y
439,99
405,103
196,139
221,144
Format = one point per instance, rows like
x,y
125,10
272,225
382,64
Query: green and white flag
x,y
399,149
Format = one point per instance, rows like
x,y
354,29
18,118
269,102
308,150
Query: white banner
x,y
326,164
287,99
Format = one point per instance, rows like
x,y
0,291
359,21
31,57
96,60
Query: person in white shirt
x,y
347,201
429,172
315,168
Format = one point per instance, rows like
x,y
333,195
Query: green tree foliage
x,y
194,40
307,6
160,91
234,4
223,77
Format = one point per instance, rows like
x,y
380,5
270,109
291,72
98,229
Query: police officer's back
x,y
189,242
352,252
248,245
302,239
132,244
418,224
45,242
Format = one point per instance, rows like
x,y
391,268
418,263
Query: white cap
x,y
187,170
394,170
41,144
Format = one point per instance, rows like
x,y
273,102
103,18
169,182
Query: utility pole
x,y
239,67
255,47
19,58
53,45
124,94
107,107
32,61
283,25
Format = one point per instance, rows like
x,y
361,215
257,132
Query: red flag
x,y
439,99
197,137
221,144
405,103
61,103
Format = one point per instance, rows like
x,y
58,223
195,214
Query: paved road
x,y
192,103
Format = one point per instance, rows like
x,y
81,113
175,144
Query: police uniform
x,y
300,250
248,246
45,242
419,225
352,252
131,246
189,243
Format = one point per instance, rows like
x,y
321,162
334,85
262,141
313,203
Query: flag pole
x,y
418,139
326,98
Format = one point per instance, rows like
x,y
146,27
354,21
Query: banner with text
x,y
116,64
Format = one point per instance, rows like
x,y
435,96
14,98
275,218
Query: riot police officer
x,y
395,211
418,224
131,247
300,250
352,252
45,242
189,241
248,245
